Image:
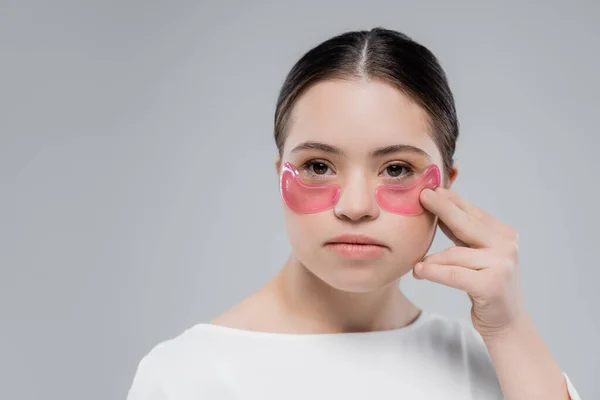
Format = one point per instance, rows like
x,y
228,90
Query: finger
x,y
451,235
453,276
475,259
486,218
464,226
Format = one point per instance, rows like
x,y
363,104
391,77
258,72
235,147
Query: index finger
x,y
463,225
480,214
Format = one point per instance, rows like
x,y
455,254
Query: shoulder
x,y
443,332
458,344
187,357
196,343
452,332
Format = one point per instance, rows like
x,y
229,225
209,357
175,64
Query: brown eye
x,y
318,168
395,170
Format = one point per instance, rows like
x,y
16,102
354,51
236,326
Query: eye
x,y
397,170
319,168
316,167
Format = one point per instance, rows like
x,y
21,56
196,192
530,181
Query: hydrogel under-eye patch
x,y
401,198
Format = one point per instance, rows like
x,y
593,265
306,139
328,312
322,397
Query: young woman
x,y
366,129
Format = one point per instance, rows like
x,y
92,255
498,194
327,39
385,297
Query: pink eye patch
x,y
303,198
401,199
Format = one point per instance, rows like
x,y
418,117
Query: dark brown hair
x,y
376,54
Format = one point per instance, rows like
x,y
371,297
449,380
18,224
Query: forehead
x,y
358,116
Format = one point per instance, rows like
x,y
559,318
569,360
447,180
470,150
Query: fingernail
x,y
419,268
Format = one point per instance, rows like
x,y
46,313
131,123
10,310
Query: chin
x,y
359,277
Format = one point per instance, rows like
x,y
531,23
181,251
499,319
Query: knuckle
x,y
514,249
506,264
511,249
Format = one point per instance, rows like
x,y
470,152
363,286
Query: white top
x,y
433,358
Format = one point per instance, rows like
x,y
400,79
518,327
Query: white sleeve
x,y
145,385
572,392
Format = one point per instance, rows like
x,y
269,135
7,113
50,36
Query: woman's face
x,y
335,131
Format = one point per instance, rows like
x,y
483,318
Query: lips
x,y
356,246
356,240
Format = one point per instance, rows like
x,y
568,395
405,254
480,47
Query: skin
x,y
318,291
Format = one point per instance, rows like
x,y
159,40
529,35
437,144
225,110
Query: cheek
x,y
415,235
305,231
410,237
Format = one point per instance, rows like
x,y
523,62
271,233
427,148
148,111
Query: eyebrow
x,y
382,151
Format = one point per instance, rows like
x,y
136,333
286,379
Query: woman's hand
x,y
484,263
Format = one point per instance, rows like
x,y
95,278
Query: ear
x,y
278,165
452,176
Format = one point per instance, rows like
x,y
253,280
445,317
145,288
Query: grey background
x,y
128,127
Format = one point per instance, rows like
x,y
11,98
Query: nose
x,y
357,200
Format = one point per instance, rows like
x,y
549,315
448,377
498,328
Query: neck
x,y
315,306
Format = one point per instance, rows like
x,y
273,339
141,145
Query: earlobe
x,y
452,176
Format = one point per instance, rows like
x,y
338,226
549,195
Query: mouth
x,y
356,246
